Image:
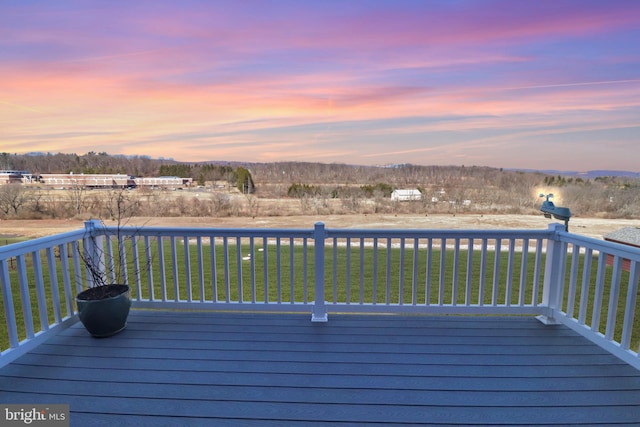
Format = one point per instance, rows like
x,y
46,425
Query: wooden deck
x,y
244,369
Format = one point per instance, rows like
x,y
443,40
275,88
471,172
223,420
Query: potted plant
x,y
103,307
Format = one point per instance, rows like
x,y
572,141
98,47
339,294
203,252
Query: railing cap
x,y
557,227
92,224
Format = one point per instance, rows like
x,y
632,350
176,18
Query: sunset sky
x,y
548,84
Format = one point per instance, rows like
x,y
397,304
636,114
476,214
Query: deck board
x,y
250,369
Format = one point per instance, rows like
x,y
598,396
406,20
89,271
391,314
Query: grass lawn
x,y
284,272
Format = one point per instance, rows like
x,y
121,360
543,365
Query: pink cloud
x,y
375,29
254,80
480,22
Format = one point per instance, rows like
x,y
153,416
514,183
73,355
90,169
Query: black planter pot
x,y
104,312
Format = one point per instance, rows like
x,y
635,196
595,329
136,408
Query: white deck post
x,y
319,313
553,277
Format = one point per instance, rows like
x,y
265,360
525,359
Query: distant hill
x,y
588,174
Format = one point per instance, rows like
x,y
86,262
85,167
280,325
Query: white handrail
x,y
588,284
599,293
36,291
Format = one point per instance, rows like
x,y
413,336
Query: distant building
x,y
406,195
14,177
93,181
163,182
71,180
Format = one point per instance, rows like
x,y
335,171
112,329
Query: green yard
x,y
287,273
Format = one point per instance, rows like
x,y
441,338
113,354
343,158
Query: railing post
x,y
319,313
553,276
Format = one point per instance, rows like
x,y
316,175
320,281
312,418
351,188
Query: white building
x,y
406,195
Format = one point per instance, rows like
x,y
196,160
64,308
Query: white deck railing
x,y
588,284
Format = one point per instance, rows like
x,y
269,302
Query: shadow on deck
x,y
244,369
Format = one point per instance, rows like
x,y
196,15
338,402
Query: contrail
x,y
606,82
116,56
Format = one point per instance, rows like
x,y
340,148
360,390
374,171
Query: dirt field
x,y
592,227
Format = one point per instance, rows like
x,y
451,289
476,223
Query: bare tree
x,y
221,204
254,205
121,204
12,198
77,195
37,203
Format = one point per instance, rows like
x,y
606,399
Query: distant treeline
x,y
476,189
90,163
